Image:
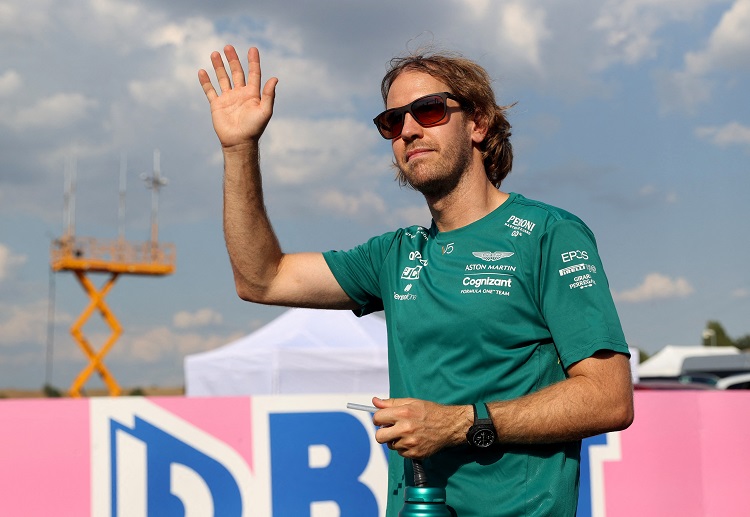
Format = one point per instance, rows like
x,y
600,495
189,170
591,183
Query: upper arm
x,y
303,280
608,374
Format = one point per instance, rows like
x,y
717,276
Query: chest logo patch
x,y
519,226
492,256
412,272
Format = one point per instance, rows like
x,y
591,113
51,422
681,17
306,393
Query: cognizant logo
x,y
487,281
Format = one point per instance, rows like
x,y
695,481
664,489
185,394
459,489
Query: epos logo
x,y
573,255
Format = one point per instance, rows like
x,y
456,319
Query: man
x,y
505,349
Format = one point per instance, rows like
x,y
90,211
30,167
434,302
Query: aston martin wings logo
x,y
492,256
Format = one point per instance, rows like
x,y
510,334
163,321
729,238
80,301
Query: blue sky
x,y
632,114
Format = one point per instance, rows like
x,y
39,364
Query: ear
x,y
479,128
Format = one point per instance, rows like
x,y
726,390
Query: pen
x,y
361,407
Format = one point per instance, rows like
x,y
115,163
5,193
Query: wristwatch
x,y
482,434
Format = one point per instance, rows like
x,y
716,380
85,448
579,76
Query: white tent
x,y
667,362
301,351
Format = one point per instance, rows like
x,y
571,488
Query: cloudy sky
x,y
632,114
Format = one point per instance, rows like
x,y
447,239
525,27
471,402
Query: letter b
x,y
296,484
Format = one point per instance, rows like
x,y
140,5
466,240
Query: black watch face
x,y
483,438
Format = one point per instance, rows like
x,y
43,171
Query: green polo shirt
x,y
491,311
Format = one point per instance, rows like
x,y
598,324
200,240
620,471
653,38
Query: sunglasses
x,y
427,111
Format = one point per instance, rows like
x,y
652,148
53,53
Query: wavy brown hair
x,y
471,84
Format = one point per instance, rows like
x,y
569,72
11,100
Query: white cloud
x,y
729,44
199,318
57,111
25,324
9,261
650,192
477,7
680,90
8,13
733,133
726,50
741,293
188,45
523,30
161,343
656,286
631,27
301,151
365,204
117,11
10,82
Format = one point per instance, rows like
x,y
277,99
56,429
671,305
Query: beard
x,y
436,179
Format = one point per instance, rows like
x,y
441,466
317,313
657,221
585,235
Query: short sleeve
x,y
574,294
358,271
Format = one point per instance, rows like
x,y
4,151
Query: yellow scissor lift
x,y
88,255
114,257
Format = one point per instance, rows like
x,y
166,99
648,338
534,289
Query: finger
x,y
208,88
386,403
382,403
386,435
383,420
238,74
269,94
221,73
253,69
383,417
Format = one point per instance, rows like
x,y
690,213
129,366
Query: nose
x,y
412,129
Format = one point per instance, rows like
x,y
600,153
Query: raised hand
x,y
241,112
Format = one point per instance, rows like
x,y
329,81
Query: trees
x,y
743,343
715,335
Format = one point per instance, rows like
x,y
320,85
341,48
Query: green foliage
x,y
137,392
743,343
715,335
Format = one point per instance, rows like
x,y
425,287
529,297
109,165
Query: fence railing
x,y
88,253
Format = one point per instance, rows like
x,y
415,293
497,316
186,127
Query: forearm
x,y
254,250
262,272
569,410
596,398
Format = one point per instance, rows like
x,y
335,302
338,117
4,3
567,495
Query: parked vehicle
x,y
671,384
734,382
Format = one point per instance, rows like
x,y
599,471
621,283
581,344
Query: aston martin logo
x,y
492,256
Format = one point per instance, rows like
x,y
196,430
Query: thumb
x,y
382,403
269,93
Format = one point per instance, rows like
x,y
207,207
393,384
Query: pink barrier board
x,y
686,454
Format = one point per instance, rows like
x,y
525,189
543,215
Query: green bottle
x,y
422,501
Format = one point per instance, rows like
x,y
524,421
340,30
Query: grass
x,y
52,392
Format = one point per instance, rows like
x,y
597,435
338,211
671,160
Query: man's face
x,y
431,159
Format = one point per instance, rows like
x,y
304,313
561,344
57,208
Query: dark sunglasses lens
x,y
390,123
429,110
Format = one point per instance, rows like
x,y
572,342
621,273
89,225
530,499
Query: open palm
x,y
241,112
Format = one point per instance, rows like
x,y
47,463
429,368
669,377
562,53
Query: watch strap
x,y
481,412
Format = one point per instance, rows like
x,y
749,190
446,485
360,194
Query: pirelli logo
x,y
572,269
